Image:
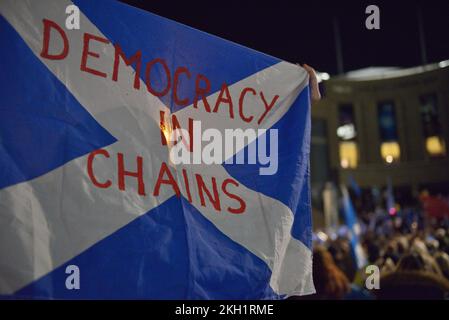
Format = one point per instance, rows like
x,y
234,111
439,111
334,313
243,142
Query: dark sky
x,y
302,31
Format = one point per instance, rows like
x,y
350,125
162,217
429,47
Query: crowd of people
x,y
409,248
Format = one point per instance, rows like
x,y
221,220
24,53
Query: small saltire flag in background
x,y
354,229
90,204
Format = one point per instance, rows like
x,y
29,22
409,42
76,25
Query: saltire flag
x,y
354,229
90,205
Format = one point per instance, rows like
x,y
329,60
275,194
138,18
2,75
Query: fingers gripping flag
x,y
86,178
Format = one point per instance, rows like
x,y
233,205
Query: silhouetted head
x,y
330,282
416,261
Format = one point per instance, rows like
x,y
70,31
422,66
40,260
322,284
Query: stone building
x,y
377,124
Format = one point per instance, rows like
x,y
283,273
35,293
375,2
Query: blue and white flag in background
x,y
91,205
354,229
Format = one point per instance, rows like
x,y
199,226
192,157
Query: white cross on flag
x,y
89,118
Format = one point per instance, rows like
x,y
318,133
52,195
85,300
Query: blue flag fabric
x,y
354,229
91,204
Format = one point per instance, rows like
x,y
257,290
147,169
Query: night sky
x,y
302,31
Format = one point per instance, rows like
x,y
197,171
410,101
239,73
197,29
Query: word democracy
x,y
172,79
168,84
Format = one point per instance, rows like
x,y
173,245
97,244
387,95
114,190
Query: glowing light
x,y
348,154
322,236
346,132
166,130
435,146
390,151
324,76
344,163
443,64
392,211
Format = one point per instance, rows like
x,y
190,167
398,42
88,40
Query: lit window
x,y
390,151
435,146
348,154
347,135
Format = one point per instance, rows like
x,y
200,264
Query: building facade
x,y
381,124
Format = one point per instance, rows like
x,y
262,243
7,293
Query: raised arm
x,y
313,82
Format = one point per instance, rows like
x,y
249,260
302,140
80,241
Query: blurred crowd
x,y
409,248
